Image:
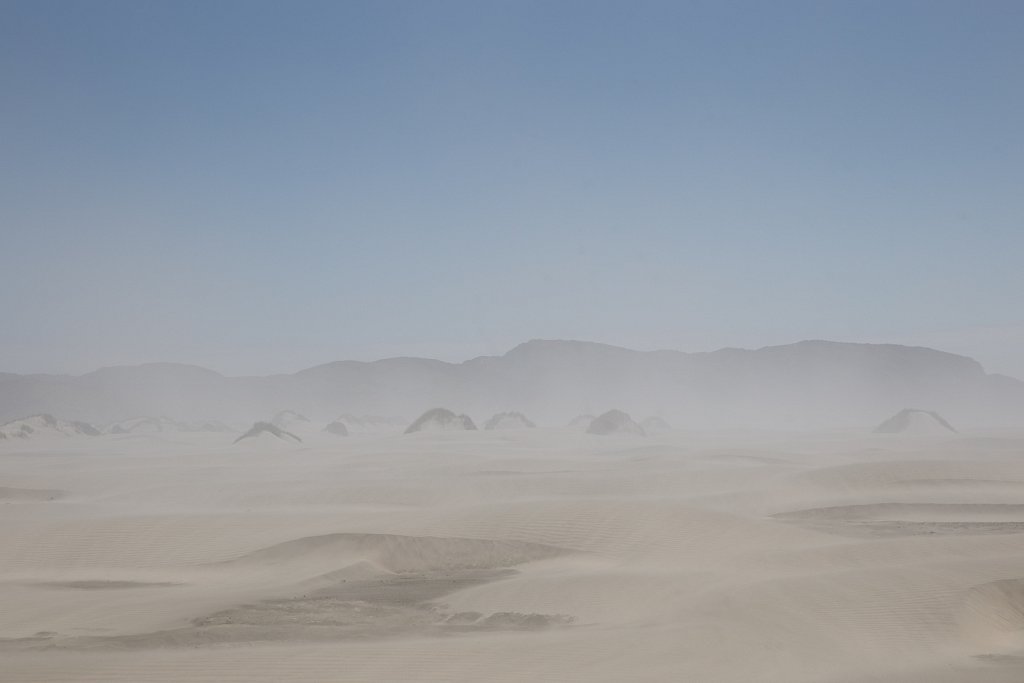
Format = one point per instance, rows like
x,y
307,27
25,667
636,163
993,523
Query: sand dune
x,y
401,554
993,616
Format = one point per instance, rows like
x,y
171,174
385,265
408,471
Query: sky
x,y
259,187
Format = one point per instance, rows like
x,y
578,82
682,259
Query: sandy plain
x,y
528,555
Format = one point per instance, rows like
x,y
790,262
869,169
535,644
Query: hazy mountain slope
x,y
808,384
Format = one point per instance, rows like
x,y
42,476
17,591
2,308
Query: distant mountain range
x,y
810,384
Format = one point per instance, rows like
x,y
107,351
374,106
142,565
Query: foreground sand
x,y
536,555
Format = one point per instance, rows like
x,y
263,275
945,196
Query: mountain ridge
x,y
816,383
532,343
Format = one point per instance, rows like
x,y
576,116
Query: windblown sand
x,y
532,555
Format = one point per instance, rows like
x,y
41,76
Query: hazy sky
x,y
261,187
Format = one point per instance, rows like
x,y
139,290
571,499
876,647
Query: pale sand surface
x,y
532,555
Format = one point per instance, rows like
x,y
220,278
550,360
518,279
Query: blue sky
x,y
260,187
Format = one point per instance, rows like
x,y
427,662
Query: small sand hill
x,y
298,424
337,428
289,419
396,553
265,433
655,425
45,425
916,423
144,425
614,422
992,617
441,420
581,422
366,424
509,421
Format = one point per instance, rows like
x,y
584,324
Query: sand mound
x,y
655,425
399,554
614,422
916,423
45,425
992,617
297,424
441,420
509,421
288,419
264,432
354,587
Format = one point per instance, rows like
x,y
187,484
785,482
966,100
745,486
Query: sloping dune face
x,y
402,554
510,420
581,422
916,423
267,435
614,422
338,587
441,420
545,554
993,616
44,426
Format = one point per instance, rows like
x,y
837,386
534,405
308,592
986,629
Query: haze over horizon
x,y
510,350
256,188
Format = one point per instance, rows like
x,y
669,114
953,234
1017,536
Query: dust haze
x,y
500,342
820,511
